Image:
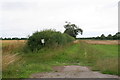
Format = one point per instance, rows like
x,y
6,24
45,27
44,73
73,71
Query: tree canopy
x,y
72,29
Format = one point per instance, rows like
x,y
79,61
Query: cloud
x,y
23,17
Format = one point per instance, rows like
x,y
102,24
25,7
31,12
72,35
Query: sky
x,y
20,18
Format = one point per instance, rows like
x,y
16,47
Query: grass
x,y
99,57
110,50
108,63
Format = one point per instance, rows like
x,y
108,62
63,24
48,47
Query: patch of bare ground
x,y
72,71
106,42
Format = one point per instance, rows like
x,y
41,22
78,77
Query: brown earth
x,y
72,71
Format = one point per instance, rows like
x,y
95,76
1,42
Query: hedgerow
x,y
52,39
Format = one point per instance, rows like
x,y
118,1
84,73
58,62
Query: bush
x,y
52,39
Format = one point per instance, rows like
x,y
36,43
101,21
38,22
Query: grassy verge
x,y
99,57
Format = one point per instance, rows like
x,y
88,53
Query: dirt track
x,y
72,72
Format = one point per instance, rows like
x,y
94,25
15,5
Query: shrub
x,y
52,39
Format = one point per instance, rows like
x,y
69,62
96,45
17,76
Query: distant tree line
x,y
13,38
103,37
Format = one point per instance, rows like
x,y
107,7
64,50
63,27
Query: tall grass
x,y
10,46
10,52
8,59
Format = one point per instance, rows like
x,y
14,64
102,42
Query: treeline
x,y
13,38
103,37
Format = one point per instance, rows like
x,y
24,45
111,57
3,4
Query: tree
x,y
116,36
72,29
15,38
97,37
109,37
1,38
102,37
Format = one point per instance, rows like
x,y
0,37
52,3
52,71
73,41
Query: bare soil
x,y
72,71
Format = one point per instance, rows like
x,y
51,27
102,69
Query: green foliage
x,y
109,37
72,29
102,37
117,36
52,39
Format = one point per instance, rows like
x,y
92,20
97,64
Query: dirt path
x,y
72,72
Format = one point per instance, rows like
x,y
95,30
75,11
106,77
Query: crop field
x,y
105,42
17,62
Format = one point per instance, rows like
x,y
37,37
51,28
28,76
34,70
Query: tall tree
x,y
109,37
72,29
102,37
116,36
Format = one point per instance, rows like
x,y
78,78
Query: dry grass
x,y
12,41
9,49
11,45
9,59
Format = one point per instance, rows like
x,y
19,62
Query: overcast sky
x,y
20,18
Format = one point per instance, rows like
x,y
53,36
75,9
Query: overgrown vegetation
x,y
11,52
52,39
